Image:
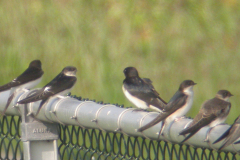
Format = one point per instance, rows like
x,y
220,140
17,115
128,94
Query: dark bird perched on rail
x,y
213,112
177,107
140,91
59,86
231,135
27,80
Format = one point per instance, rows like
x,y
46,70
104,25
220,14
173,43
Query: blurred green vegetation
x,y
167,41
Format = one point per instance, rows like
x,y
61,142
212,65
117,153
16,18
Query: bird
x,y
59,86
231,135
212,113
140,91
178,106
27,80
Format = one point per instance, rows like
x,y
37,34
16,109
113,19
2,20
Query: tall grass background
x,y
167,41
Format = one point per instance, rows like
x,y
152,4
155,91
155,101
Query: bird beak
x,y
194,83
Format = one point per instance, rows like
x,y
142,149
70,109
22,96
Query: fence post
x,y
39,138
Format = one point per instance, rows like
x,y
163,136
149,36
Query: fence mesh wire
x,y
10,134
77,143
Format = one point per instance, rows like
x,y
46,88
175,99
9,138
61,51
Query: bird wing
x,y
217,106
169,109
210,110
147,80
231,134
28,75
157,100
61,83
224,135
148,88
201,120
8,103
178,100
9,85
41,94
144,90
57,85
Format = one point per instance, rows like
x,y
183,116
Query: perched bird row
x,y
213,112
59,86
141,93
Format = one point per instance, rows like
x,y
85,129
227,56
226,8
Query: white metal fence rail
x,y
70,111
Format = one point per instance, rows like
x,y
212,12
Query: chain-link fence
x,y
77,143
10,134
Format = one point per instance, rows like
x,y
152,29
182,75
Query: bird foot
x,y
161,134
208,134
61,97
15,106
137,110
178,119
25,90
118,129
206,140
30,113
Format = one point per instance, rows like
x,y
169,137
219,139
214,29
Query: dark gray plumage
x,y
177,107
231,135
60,85
140,91
27,80
212,113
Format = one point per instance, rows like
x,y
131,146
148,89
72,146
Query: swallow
x,y
140,91
212,113
178,106
27,80
231,135
59,86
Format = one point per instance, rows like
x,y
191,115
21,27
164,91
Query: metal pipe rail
x,y
110,118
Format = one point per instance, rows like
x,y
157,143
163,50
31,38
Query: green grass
x,y
167,41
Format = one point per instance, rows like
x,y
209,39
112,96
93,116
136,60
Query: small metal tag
x,y
39,131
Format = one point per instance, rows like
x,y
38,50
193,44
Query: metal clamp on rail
x,y
76,111
97,114
141,124
56,107
120,118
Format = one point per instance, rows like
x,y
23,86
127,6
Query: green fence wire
x,y
10,142
76,143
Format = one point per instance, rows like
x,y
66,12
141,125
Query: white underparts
x,y
184,109
137,102
28,85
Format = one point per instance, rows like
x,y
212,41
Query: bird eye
x,y
222,111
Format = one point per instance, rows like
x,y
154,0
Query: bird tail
x,y
6,87
158,119
229,141
191,130
185,131
188,136
32,97
222,136
40,106
159,103
8,103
